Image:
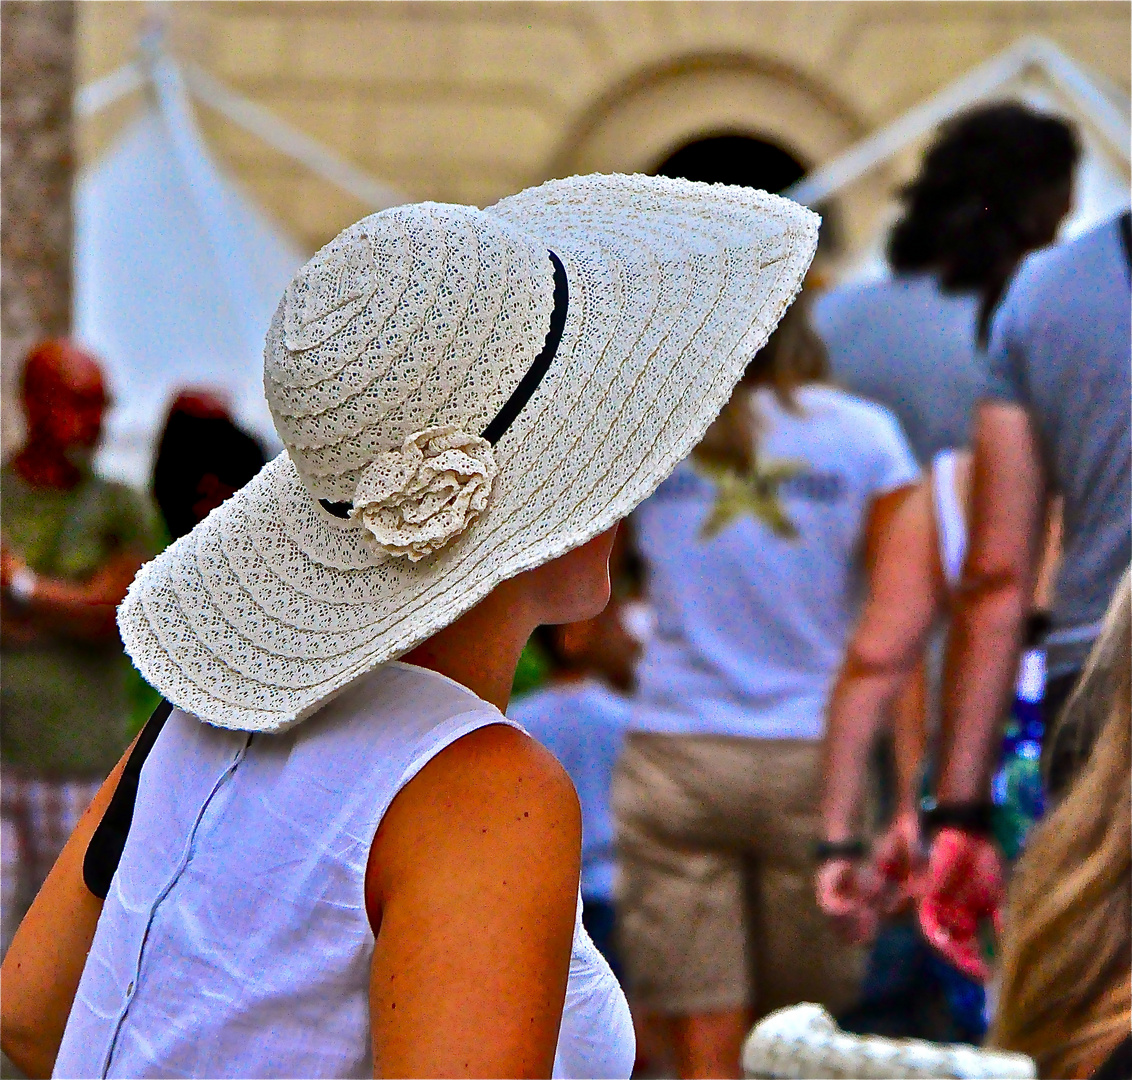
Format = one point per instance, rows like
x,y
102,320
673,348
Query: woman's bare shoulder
x,y
472,891
493,795
491,769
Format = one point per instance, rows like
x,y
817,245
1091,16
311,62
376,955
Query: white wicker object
x,y
804,1042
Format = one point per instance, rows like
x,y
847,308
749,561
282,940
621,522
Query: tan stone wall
x,y
470,101
36,55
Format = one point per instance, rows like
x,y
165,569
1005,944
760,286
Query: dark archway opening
x,y
734,159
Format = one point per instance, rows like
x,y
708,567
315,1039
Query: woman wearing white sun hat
x,y
470,401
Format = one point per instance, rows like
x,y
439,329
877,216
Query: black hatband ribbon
x,y
528,384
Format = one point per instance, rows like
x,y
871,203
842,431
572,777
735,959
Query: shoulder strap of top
x,y
104,851
951,523
1126,237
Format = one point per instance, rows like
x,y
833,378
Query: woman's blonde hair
x,y
793,355
1066,989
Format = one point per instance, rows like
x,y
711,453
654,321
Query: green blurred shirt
x,y
65,705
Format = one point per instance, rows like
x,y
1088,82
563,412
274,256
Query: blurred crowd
x,y
70,700
854,729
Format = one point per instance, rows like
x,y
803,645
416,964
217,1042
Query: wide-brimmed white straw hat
x,y
463,394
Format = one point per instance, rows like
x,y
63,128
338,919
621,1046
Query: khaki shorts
x,y
716,906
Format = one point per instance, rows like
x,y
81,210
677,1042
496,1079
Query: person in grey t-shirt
x,y
904,343
1056,421
995,184
1061,352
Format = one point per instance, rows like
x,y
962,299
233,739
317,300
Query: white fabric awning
x,y
176,272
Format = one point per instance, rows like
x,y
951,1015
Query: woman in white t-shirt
x,y
755,550
339,857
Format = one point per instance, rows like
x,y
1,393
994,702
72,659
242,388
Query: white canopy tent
x,y
1032,70
176,273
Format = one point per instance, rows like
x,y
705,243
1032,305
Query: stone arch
x,y
637,124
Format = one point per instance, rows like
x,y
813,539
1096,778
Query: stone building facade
x,y
470,101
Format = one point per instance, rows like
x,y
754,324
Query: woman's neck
x,y
481,649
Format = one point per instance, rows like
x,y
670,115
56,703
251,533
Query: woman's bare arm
x,y
904,593
43,965
910,738
472,890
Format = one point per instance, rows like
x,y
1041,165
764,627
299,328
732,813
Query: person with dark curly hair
x,y
203,457
994,185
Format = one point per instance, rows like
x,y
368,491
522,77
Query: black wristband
x,y
972,817
827,850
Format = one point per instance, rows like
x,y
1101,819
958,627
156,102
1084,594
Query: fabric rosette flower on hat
x,y
417,499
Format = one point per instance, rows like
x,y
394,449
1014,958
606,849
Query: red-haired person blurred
x,y
72,543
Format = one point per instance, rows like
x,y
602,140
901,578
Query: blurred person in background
x,y
753,552
1055,422
994,185
580,715
202,458
1065,990
881,680
72,543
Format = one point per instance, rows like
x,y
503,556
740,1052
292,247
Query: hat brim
x,y
271,606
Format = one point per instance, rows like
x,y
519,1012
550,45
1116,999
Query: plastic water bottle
x,y
1016,789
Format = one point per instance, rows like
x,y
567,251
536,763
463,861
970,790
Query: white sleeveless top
x,y
235,942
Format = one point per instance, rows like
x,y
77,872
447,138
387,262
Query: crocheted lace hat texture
x,y
389,514
803,1041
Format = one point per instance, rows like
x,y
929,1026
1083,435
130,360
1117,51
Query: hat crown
x,y
418,316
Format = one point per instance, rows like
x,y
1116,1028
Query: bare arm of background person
x,y
83,609
1008,517
1008,498
472,889
897,851
910,726
904,591
43,965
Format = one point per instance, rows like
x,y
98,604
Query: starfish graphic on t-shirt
x,y
753,492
